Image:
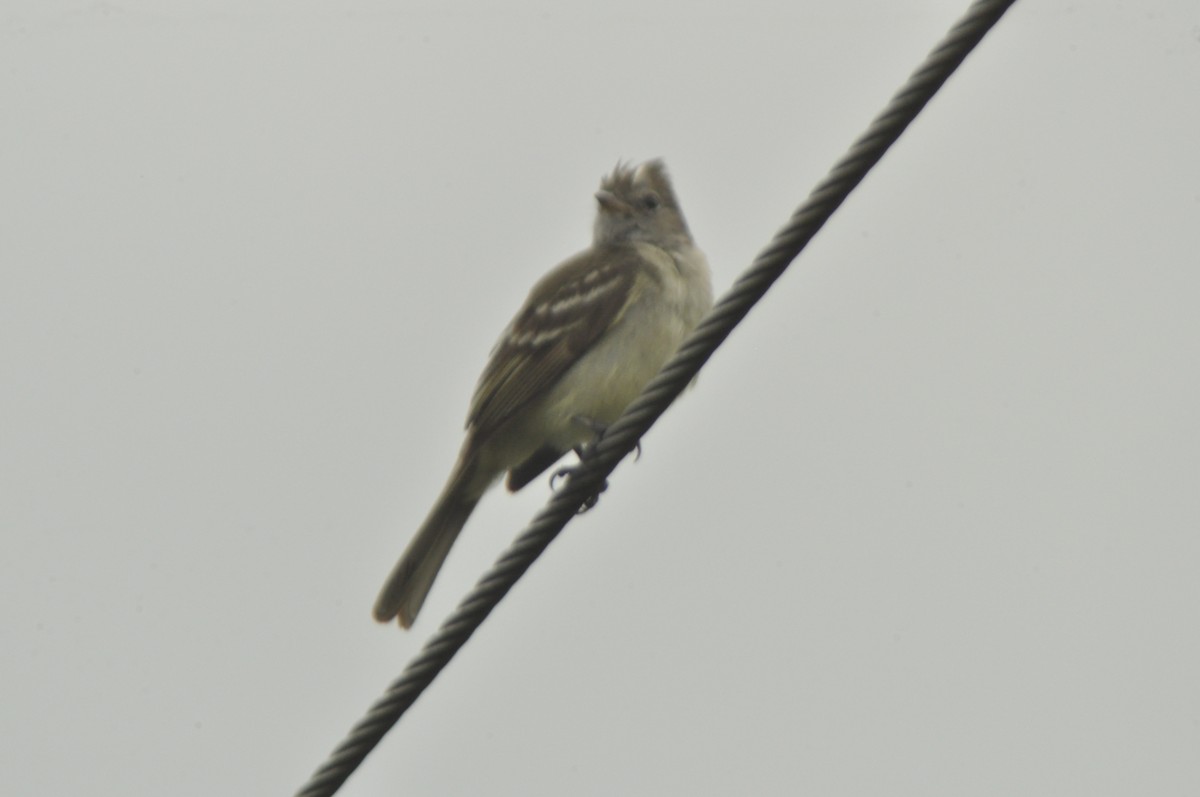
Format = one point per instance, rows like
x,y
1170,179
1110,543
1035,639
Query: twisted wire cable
x,y
585,480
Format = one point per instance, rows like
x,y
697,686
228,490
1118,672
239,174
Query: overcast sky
x,y
929,524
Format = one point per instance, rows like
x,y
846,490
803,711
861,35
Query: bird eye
x,y
649,201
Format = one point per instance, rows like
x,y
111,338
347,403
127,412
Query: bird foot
x,y
583,452
590,501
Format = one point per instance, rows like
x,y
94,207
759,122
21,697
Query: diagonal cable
x,y
623,435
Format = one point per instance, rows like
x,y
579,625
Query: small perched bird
x,y
590,336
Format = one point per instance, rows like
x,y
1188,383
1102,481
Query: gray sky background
x,y
928,525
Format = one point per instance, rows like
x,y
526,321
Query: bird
x,y
591,334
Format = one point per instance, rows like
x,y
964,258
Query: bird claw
x,y
590,501
561,473
583,451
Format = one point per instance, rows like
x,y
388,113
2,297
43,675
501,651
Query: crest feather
x,y
627,180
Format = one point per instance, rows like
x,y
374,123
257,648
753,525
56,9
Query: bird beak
x,y
608,200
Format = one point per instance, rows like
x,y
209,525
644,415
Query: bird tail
x,y
405,589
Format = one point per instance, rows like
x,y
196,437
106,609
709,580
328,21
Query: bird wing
x,y
569,309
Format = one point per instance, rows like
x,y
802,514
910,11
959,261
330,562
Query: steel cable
x,y
586,479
